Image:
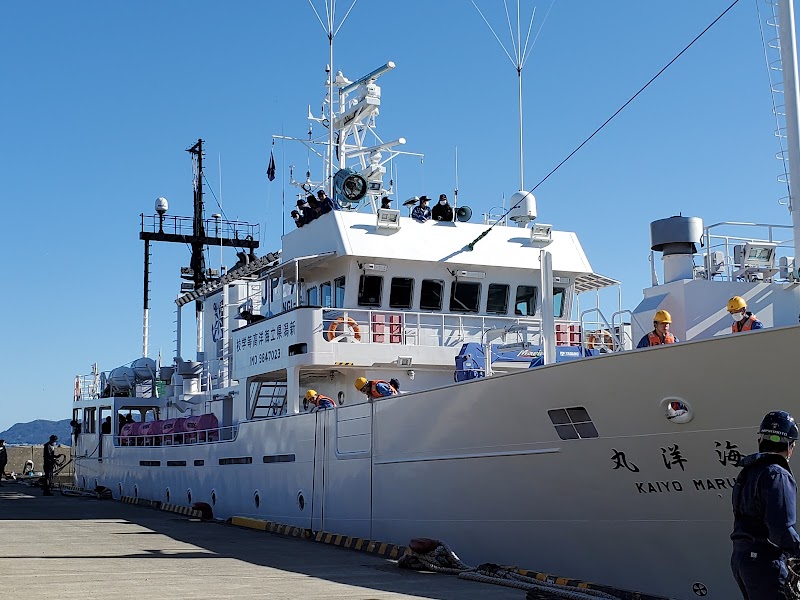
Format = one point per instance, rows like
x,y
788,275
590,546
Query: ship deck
x,y
84,548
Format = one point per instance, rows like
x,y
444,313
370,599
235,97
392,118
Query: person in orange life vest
x,y
319,401
660,334
375,389
742,319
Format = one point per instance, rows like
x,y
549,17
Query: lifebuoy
x,y
349,322
600,339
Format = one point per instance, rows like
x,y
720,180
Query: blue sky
x,y
100,100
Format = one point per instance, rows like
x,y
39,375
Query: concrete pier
x,y
88,549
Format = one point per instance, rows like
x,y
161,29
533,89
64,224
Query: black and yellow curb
x,y
343,541
621,594
181,510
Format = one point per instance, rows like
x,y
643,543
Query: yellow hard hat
x,y
360,383
662,316
736,303
310,394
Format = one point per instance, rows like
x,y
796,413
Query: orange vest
x,y
656,341
316,401
748,325
373,388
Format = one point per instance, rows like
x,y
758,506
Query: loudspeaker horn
x,y
463,213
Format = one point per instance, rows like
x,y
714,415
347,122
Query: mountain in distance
x,y
38,432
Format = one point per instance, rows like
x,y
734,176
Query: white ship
x,y
527,430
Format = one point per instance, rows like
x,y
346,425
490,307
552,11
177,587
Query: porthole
x,y
301,500
189,496
257,499
677,410
213,497
340,397
167,494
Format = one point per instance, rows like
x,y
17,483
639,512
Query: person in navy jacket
x,y
764,498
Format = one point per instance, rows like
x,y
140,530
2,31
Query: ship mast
x,y
791,89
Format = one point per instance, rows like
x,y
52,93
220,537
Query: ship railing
x,y
721,259
600,335
434,329
187,438
222,228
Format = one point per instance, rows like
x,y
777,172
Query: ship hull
x,y
644,505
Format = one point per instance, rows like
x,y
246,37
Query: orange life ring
x,y
600,339
342,321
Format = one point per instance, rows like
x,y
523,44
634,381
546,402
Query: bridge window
x,y
526,300
338,292
559,294
430,295
312,296
325,295
497,299
90,420
370,288
465,296
401,292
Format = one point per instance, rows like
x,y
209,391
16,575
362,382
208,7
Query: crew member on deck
x,y
442,211
319,401
298,218
386,202
421,212
764,499
376,388
742,319
660,334
323,199
106,426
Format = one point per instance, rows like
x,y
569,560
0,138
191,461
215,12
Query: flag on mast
x,y
271,167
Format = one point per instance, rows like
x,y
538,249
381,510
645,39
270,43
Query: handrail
x,y
616,338
185,438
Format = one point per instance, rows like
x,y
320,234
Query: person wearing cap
x,y
763,499
376,388
3,460
306,212
421,212
324,199
743,320
319,401
660,334
442,211
49,457
386,202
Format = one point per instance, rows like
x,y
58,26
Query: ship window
x,y
401,292
89,418
497,299
369,290
430,295
338,292
325,295
312,296
572,423
465,296
526,300
558,302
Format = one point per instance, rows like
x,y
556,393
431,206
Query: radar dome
x,y
524,210
161,205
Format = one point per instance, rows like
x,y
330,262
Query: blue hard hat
x,y
779,426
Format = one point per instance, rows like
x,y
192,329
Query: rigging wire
x,y
471,245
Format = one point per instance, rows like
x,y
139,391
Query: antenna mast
x,y
521,52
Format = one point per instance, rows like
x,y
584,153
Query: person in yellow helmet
x,y
743,320
376,388
660,334
319,401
